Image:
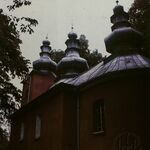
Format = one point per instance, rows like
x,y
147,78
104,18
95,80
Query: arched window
x,y
37,127
22,131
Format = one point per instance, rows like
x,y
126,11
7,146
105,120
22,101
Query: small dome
x,y
72,35
46,42
118,9
45,64
72,64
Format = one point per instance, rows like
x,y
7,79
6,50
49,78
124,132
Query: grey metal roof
x,y
72,63
45,63
119,63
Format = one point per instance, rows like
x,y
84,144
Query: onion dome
x,y
123,39
45,64
72,64
72,35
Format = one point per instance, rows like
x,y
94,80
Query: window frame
x,y
22,131
98,117
38,124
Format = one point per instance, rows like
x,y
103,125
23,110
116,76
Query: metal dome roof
x,y
72,64
123,39
45,64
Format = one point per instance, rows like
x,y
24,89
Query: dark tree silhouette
x,y
57,55
140,19
93,57
12,63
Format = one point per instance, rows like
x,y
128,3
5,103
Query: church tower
x,y
42,76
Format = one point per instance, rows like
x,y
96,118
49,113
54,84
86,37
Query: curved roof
x,y
117,64
45,64
72,64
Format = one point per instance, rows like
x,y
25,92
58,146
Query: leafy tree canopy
x,y
140,19
12,63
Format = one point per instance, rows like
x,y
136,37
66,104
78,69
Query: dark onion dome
x,y
72,64
45,64
72,35
123,39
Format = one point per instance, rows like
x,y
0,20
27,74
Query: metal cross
x,y
117,2
47,36
72,27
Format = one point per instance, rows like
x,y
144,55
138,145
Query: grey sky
x,y
90,17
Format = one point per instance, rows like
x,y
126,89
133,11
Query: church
x,y
67,106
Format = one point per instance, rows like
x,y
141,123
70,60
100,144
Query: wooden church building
x,y
67,106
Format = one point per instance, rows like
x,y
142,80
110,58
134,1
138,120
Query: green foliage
x,y
57,55
83,42
3,139
92,57
140,19
24,24
18,3
12,63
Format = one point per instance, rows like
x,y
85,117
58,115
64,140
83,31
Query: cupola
x,y
45,64
123,39
72,64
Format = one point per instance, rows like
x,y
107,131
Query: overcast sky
x,y
55,17
89,17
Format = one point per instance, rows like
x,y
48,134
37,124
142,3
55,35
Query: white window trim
x,y
37,127
21,132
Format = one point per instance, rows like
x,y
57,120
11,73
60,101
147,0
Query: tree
x,y
57,55
3,139
12,63
140,19
93,57
24,24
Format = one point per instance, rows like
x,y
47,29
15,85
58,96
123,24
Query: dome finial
x,y
47,36
117,2
72,28
71,34
46,41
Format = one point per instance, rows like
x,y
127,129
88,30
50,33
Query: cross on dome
x,y
47,36
117,2
72,28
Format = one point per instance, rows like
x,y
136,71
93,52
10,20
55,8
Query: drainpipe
x,y
29,90
78,122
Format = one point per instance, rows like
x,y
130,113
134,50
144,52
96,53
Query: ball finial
x,y
72,28
47,36
46,41
117,2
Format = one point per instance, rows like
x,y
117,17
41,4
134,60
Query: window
x,y
98,112
22,132
37,127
